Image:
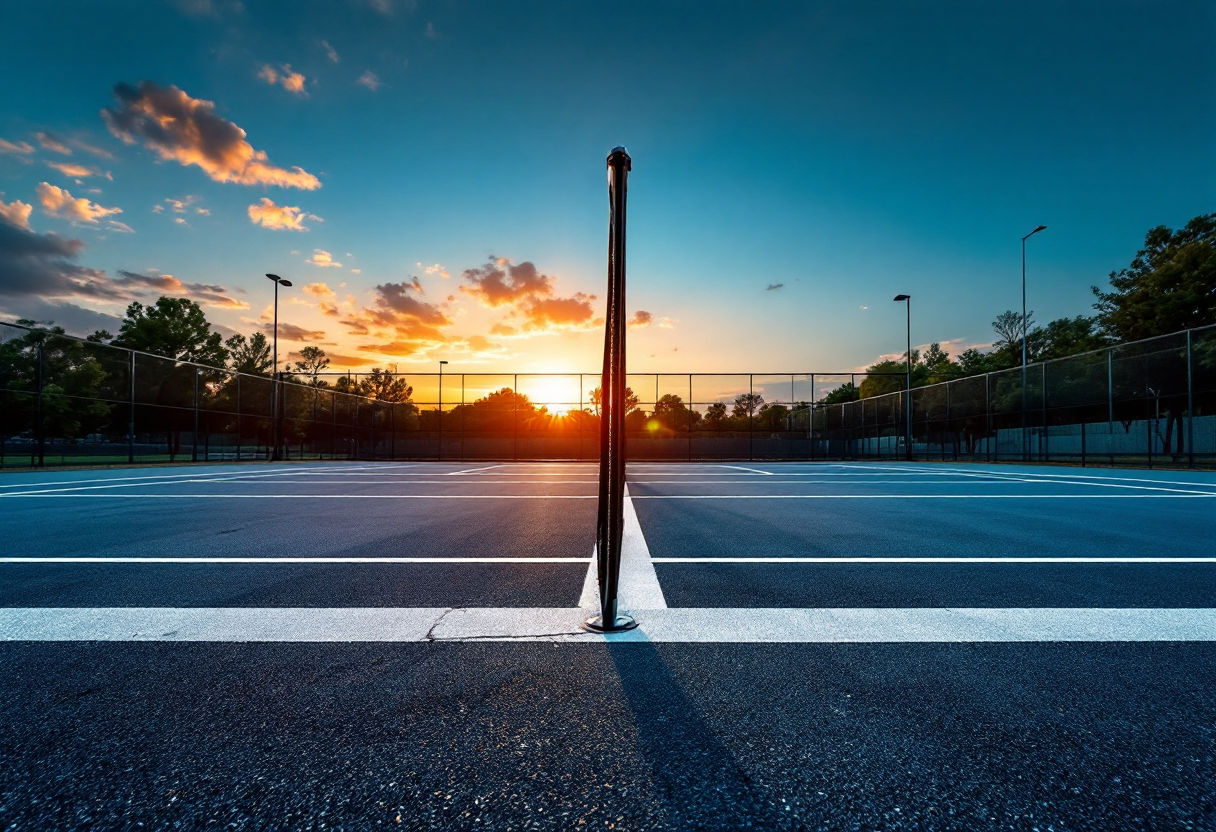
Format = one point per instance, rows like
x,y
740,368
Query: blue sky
x,y
844,152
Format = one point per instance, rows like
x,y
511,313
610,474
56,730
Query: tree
x,y
251,355
1170,285
773,417
1008,328
384,386
846,392
73,382
313,362
631,400
1064,337
746,405
672,413
715,415
175,328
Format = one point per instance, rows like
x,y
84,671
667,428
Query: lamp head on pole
x,y
279,280
1036,231
902,297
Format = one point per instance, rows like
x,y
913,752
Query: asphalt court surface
x,y
716,535
368,645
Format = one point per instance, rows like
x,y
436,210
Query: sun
x,y
560,394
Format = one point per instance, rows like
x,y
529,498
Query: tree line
x,y
1169,286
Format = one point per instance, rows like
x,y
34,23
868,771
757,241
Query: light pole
x,y
1025,443
439,416
907,299
274,411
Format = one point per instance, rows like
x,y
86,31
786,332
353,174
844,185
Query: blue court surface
x,y
821,645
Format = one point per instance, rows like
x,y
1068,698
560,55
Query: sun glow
x,y
559,394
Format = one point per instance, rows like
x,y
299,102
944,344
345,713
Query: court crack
x,y
432,638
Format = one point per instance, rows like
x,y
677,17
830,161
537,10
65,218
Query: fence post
x,y
131,414
1190,406
515,418
1110,404
1044,442
194,437
751,425
810,420
39,427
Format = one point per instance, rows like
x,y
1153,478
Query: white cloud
x,y
279,217
56,202
323,259
16,213
370,80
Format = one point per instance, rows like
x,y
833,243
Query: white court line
x,y
936,560
638,587
112,496
296,560
752,470
1044,476
1181,495
196,473
1058,479
473,470
688,625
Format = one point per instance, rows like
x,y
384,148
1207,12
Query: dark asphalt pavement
x,y
626,737
1022,736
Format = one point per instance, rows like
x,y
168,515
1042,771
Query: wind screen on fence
x,y
66,400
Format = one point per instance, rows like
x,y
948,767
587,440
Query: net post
x,y
610,524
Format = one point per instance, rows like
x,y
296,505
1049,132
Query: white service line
x,y
1181,495
638,587
687,625
751,470
935,560
221,560
1045,476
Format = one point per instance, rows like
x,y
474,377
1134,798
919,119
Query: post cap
x,y
620,156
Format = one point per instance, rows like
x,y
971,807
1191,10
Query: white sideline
x,y
223,560
639,587
747,626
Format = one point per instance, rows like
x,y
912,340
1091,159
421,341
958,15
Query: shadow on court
x,y
693,773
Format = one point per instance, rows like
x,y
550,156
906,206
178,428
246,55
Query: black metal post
x,y
610,524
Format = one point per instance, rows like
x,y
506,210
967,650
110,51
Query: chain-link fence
x,y
64,400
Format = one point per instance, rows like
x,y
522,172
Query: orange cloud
x,y
641,318
187,130
323,259
529,295
16,213
52,144
19,149
406,325
76,171
321,291
284,76
56,202
279,217
208,293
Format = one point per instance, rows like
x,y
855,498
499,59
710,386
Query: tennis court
x,y
714,552
377,644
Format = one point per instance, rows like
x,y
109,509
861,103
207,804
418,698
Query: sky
x,y
431,176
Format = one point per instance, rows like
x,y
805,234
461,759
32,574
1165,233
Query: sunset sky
x,y
431,175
